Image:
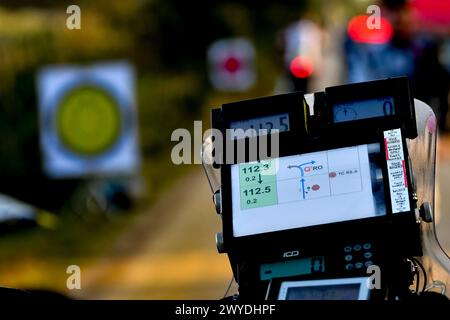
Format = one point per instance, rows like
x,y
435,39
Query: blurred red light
x,y
359,32
232,64
432,12
301,67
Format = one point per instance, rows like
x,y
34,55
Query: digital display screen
x,y
332,289
278,122
363,109
307,189
290,268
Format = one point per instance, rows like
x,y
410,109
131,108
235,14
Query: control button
x,y
368,263
348,249
367,246
349,266
219,242
357,247
217,201
367,255
358,265
348,257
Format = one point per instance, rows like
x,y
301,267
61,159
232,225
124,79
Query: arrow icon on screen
x,y
303,187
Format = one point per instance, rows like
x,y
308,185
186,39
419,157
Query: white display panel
x,y
306,190
329,289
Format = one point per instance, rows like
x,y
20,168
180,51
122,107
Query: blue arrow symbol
x,y
302,174
303,187
303,164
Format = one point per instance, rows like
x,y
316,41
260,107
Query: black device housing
x,y
392,237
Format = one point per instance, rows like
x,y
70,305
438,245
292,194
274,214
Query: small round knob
x,y
219,242
217,201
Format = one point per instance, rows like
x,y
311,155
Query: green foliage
x,y
167,102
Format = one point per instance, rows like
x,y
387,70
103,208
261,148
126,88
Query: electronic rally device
x,y
334,204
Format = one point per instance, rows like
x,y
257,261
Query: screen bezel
x,y
397,88
291,104
364,291
284,238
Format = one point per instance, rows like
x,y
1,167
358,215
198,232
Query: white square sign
x,y
88,120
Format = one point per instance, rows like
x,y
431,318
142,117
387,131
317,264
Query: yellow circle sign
x,y
88,121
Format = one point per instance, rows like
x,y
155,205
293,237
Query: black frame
x,y
267,240
396,234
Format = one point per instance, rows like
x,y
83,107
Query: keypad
x,y
357,255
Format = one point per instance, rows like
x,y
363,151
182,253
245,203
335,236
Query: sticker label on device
x,y
398,183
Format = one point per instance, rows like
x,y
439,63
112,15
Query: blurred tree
x,y
166,40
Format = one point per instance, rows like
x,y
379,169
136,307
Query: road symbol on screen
x,y
302,174
315,175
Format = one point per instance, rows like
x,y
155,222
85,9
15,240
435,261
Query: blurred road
x,y
169,253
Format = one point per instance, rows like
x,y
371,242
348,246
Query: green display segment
x,y
292,268
258,184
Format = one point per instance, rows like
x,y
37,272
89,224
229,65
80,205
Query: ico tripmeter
x,y
335,199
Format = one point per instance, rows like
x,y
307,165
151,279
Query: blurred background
x,y
86,117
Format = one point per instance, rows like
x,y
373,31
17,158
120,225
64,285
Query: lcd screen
x,y
363,109
333,289
291,268
307,189
262,125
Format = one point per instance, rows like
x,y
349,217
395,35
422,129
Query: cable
x,y
207,177
416,274
436,237
229,287
268,290
417,281
425,280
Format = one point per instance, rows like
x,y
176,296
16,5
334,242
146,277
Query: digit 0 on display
x,y
364,109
